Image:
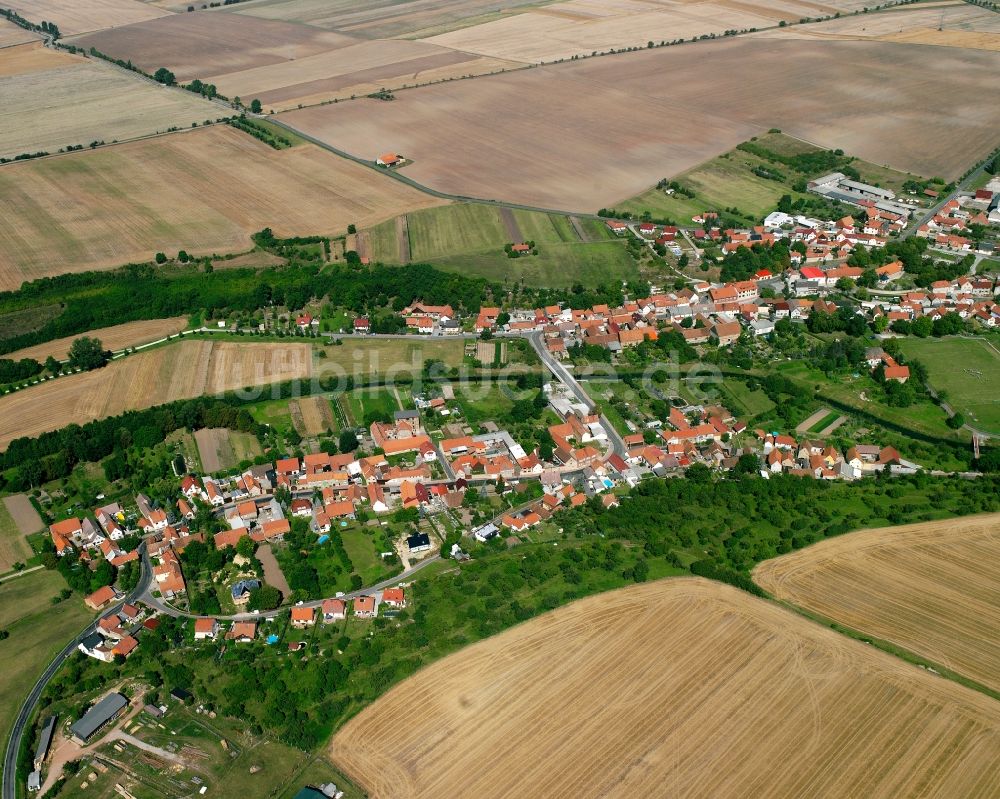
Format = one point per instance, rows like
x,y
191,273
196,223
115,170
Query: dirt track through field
x,y
511,226
932,588
403,238
580,231
680,687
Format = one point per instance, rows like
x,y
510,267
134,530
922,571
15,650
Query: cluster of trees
x,y
260,132
14,371
808,163
49,28
746,261
165,76
53,455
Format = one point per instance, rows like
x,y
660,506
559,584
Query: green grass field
x,y
13,545
825,422
363,401
365,357
747,403
470,239
361,550
968,370
729,181
38,630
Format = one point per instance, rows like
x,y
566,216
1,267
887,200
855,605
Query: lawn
x,y
13,545
367,403
470,239
361,549
38,630
746,403
967,370
825,422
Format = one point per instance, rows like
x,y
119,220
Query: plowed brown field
x,y
115,338
681,687
163,374
931,588
203,191
625,121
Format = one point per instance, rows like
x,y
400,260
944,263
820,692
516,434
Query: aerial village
x,y
424,461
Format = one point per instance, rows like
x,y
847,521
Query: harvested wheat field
x,y
946,25
107,103
118,337
312,416
201,45
581,27
176,371
205,191
280,63
383,19
81,16
681,687
11,34
931,588
915,119
364,68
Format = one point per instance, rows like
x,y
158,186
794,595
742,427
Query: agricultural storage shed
x,y
94,720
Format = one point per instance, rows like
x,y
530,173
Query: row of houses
x,y
330,611
816,459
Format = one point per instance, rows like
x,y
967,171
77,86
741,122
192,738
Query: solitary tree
x,y
255,106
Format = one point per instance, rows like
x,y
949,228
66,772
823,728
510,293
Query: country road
x,y
8,790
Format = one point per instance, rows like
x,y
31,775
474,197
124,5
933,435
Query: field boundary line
x,y
886,646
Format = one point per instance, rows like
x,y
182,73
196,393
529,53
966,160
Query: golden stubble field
x,y
591,133
932,588
81,16
941,24
680,687
579,27
205,191
182,370
283,64
53,100
117,337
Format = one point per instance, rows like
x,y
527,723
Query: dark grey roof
x,y
406,415
418,540
99,715
91,641
45,739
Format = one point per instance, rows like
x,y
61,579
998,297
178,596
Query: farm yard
x,y
681,683
118,337
163,374
581,27
203,191
940,24
470,239
73,16
931,588
967,370
923,121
